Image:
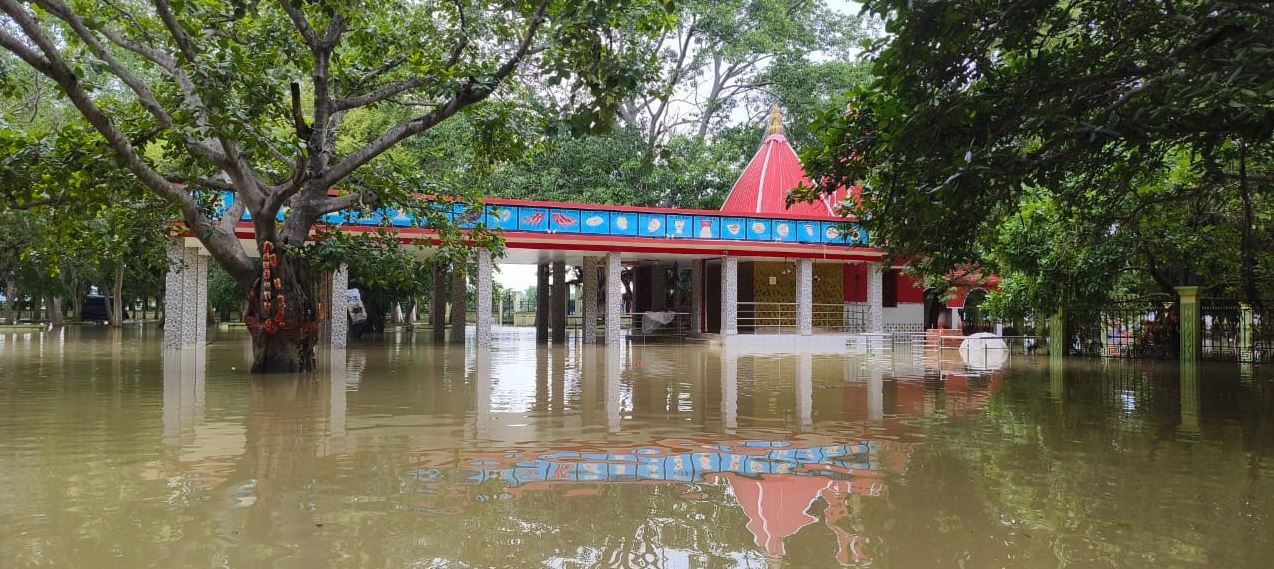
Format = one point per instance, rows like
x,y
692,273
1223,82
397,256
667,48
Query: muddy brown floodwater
x,y
403,454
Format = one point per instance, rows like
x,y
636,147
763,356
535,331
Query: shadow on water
x,y
398,452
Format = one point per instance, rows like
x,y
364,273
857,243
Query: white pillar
x,y
875,299
804,297
696,296
729,296
337,326
614,299
185,297
482,303
588,290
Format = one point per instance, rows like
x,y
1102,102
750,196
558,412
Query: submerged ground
x,y
403,454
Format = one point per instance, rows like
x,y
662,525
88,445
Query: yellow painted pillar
x,y
1189,324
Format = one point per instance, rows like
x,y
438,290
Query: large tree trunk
x,y
10,303
282,315
117,296
55,309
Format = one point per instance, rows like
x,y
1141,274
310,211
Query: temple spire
x,y
776,120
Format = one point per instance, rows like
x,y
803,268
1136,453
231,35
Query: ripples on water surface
x,y
404,454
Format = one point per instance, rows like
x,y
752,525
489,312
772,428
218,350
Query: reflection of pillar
x,y
729,391
185,297
804,392
804,297
696,296
482,394
557,302
482,303
338,373
184,372
613,407
459,300
1057,378
1189,322
875,394
1189,389
588,290
875,299
614,298
729,296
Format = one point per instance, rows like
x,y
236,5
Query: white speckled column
x,y
875,299
729,296
696,296
588,290
804,297
338,311
614,299
185,297
482,302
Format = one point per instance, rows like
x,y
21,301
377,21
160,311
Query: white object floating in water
x,y
984,351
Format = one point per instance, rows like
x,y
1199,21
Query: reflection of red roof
x,y
774,172
778,506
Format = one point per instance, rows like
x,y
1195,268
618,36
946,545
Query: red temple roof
x,y
773,172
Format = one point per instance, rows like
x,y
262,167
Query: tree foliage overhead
x,y
974,103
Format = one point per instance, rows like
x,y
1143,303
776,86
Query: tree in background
x,y
233,104
1064,128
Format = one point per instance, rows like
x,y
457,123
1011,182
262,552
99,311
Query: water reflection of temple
x,y
793,443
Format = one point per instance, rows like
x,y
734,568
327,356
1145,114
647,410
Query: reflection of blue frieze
x,y
653,465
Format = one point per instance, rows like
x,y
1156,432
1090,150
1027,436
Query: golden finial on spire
x,y
776,120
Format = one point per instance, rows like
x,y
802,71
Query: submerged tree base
x,y
283,350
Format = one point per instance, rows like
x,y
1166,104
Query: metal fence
x,y
1142,327
1233,331
780,318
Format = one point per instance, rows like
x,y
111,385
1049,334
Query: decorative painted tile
x,y
854,234
564,220
594,222
809,232
832,233
734,228
502,217
681,226
533,219
467,217
623,223
758,229
653,225
707,227
399,218
783,231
